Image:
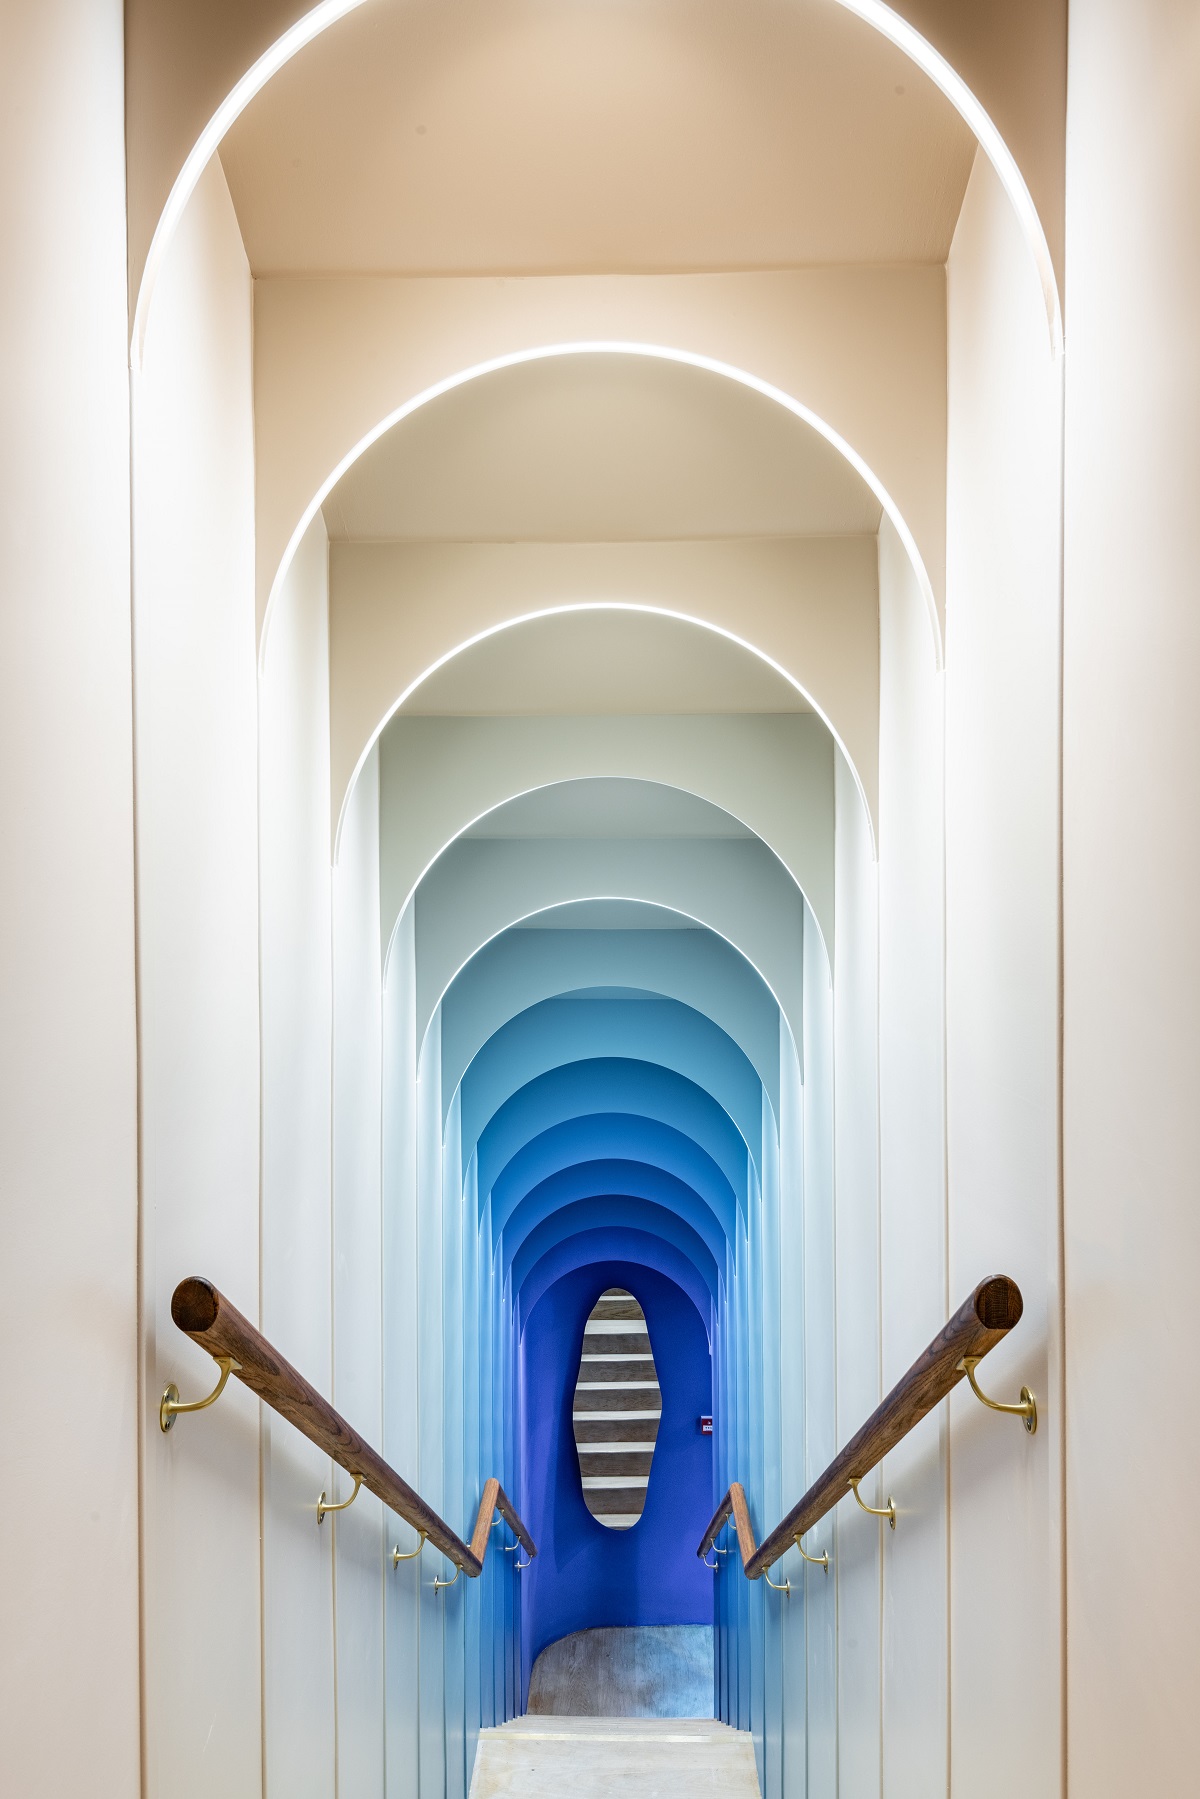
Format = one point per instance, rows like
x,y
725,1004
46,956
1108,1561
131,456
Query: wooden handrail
x,y
210,1320
979,1324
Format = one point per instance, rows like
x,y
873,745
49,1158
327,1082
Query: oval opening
x,y
617,1409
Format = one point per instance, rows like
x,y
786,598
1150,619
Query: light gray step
x,y
614,1758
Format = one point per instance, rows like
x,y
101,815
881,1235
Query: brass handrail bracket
x,y
324,1505
412,1554
888,1511
818,1561
446,1583
778,1586
984,1319
170,1405
1025,1408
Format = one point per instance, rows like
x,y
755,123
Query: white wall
x,y
1002,722
401,1445
297,1221
68,1556
197,822
851,1538
912,1173
358,1283
1132,952
820,1358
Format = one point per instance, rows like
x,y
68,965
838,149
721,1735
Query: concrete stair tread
x,y
539,1757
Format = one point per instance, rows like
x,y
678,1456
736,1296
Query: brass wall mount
x,y
888,1511
1025,1408
447,1583
326,1505
778,1586
170,1405
411,1555
818,1561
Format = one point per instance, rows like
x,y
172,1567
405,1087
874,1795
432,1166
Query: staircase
x,y
614,1758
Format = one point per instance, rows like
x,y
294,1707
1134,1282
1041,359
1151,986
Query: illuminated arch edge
x,y
881,18
610,347
527,618
605,898
305,29
945,77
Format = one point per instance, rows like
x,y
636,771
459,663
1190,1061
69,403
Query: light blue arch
x,y
695,968
558,1031
735,887
772,773
613,1086
616,1137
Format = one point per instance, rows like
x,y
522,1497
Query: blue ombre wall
x,y
585,1574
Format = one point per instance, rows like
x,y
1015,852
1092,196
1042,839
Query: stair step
x,y
614,1758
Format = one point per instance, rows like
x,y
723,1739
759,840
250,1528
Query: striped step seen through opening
x,y
617,1410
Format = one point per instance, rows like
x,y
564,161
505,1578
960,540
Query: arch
x,y
196,75
301,31
627,1212
891,24
595,1137
615,1242
479,888
697,970
814,637
618,1089
564,1032
281,540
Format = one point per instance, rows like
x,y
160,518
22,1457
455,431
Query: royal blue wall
x,y
586,1575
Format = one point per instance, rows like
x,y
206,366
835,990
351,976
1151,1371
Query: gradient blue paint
x,y
586,1574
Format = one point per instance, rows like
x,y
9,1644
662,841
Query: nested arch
x,y
733,886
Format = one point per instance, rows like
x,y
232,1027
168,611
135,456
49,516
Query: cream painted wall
x,y
810,604
863,348
1131,1122
819,1304
68,1121
197,817
297,1275
912,1176
852,1539
358,1285
403,1585
1002,721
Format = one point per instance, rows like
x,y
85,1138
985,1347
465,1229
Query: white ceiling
x,y
594,448
608,808
604,663
537,136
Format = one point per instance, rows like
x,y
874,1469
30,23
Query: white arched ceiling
x,y
858,355
630,135
193,69
771,778
593,481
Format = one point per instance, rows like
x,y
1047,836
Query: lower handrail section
x,y
210,1320
981,1322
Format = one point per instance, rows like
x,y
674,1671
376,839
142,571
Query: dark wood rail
x,y
217,1326
978,1325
